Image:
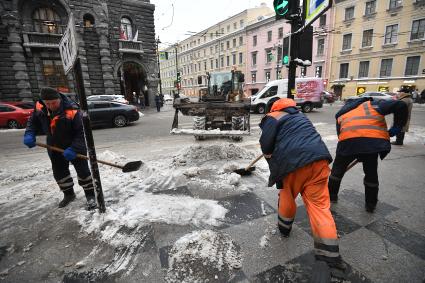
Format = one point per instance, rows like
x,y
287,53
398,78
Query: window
x,y
240,40
269,35
391,34
272,91
279,53
320,46
235,25
216,63
346,41
364,69
227,61
394,4
254,58
88,21
367,38
212,64
269,56
412,65
280,32
254,40
54,75
241,23
222,61
343,71
126,30
211,50
370,8
222,46
418,29
227,44
234,59
303,71
5,108
253,77
319,71
205,65
240,58
386,66
216,48
322,21
45,20
234,42
349,13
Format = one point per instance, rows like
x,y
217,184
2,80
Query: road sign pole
x,y
293,50
89,136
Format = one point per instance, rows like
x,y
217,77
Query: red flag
x,y
123,35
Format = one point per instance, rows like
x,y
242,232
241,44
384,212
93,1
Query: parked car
x,y
14,117
328,97
111,113
167,98
375,95
105,97
21,104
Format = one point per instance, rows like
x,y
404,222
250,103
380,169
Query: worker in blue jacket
x,y
362,136
299,164
57,117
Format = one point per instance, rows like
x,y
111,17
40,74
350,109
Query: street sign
x,y
383,88
68,46
313,9
360,90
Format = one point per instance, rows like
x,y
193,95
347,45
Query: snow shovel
x,y
128,167
247,171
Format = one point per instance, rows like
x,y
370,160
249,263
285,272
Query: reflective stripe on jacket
x,y
363,122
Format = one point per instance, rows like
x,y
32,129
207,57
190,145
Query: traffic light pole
x,y
159,66
293,52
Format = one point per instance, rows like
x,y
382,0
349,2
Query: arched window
x,y
88,21
126,32
45,20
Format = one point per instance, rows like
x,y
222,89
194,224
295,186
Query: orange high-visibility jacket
x,y
363,122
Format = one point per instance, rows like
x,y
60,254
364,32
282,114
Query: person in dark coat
x,y
405,96
158,103
362,136
57,118
299,164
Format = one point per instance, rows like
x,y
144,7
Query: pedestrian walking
x,y
158,102
422,98
406,97
56,117
299,164
362,136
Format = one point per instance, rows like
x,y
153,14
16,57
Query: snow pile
x,y
203,256
198,154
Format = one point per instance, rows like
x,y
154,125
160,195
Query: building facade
x,y
264,51
219,48
116,46
378,45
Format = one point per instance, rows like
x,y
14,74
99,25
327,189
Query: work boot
x,y
284,231
333,198
337,267
370,207
399,139
320,273
67,198
91,203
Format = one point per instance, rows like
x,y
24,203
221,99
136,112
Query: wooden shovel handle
x,y
80,156
254,161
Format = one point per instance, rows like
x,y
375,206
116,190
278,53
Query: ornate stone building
x,y
116,47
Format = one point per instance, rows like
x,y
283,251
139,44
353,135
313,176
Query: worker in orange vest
x,y
299,164
362,136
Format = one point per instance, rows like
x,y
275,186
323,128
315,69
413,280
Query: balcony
x,y
126,46
43,40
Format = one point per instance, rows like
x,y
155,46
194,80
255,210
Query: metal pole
x,y
159,66
89,136
293,52
177,70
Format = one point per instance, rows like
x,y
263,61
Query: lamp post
x,y
159,65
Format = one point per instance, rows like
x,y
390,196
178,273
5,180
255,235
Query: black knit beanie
x,y
48,93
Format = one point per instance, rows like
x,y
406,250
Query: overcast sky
x,y
195,15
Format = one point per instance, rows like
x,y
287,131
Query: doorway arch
x,y
133,82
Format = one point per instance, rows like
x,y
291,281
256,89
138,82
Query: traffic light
x,y
285,51
285,8
179,78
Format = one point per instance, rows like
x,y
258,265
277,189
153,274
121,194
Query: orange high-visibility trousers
x,y
311,181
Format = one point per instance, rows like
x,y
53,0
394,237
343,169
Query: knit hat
x,y
48,93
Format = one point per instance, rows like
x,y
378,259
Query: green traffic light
x,y
281,7
285,60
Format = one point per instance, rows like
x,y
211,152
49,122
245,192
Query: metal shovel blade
x,y
132,166
244,171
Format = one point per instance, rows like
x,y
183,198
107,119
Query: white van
x,y
308,94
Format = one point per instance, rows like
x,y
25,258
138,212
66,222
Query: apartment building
x,y
219,48
378,45
264,51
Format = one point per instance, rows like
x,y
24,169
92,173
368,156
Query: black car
x,y
107,113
